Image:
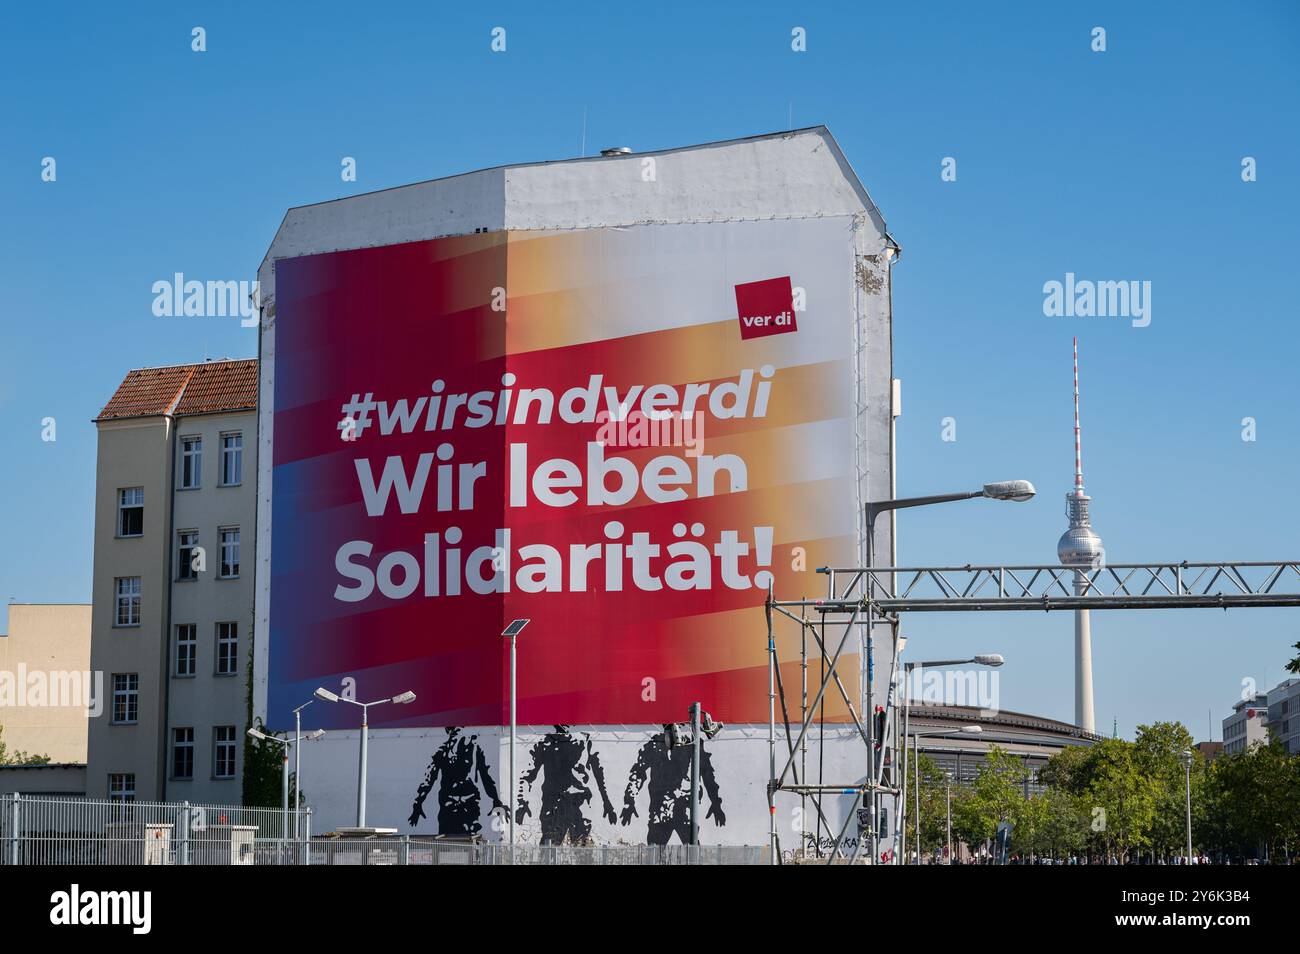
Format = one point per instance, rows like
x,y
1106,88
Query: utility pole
x,y
695,773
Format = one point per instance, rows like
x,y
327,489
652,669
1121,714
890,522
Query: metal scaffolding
x,y
861,599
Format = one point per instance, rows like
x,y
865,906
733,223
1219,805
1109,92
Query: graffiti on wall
x,y
565,779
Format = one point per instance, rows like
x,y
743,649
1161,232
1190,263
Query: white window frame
x,y
132,602
190,642
129,498
129,693
123,790
191,457
177,746
233,547
220,745
185,555
227,649
232,453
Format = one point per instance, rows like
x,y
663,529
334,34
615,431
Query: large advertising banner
x,y
623,435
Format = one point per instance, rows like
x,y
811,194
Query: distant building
x,y
1033,739
175,499
1209,750
46,686
1284,714
1247,724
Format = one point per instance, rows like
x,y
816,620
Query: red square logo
x,y
765,308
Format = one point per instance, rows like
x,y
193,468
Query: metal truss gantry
x,y
860,599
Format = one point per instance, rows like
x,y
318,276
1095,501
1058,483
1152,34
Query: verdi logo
x,y
765,308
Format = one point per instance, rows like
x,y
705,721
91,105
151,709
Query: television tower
x,y
1080,547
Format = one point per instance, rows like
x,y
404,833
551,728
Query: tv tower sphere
x,y
1080,545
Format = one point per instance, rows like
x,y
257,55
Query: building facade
x,y
175,501
636,267
1247,725
1284,714
47,691
1032,739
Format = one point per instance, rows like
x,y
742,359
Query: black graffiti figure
x,y
570,764
669,774
462,764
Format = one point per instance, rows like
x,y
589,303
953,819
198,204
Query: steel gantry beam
x,y
1221,585
859,598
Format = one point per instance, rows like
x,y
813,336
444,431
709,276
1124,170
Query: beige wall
x,y
132,453
50,644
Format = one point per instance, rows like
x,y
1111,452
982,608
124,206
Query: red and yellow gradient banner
x,y
621,434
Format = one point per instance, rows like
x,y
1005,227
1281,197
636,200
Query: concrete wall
x,y
59,779
451,775
50,643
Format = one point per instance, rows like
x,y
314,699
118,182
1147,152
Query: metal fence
x,y
44,830
415,850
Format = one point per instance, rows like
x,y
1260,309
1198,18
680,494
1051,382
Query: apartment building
x,y
1247,725
171,629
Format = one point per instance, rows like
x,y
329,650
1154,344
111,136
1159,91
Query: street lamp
x,y
512,631
324,695
284,768
1187,766
993,660
297,763
1013,490
948,784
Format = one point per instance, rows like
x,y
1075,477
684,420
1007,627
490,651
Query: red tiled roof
x,y
185,389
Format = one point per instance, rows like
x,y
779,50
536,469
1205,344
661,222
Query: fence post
x,y
307,827
13,829
185,834
406,850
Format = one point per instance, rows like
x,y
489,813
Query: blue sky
x,y
1117,165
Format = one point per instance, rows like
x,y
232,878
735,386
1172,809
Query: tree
x,y
1158,751
934,809
18,757
995,796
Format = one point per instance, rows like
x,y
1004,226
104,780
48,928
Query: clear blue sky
x,y
1117,165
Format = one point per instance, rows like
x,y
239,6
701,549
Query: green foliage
x,y
18,757
1127,799
262,760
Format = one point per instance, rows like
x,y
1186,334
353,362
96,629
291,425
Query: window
x,y
232,459
187,649
182,753
121,787
223,748
130,512
191,462
128,601
227,648
126,698
186,542
229,553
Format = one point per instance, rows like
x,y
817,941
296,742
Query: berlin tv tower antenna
x,y
1080,547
